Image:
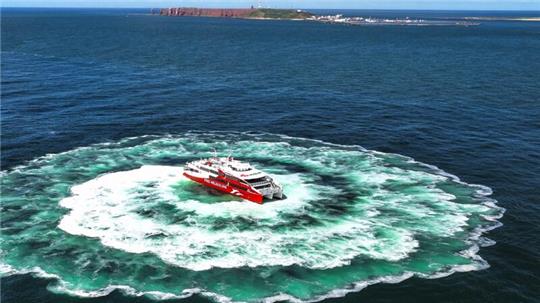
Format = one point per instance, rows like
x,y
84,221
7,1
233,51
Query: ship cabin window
x,y
239,169
257,180
262,186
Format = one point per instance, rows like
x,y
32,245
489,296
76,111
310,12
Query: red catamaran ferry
x,y
234,177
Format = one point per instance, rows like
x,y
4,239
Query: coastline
x,y
302,15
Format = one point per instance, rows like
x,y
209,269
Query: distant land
x,y
247,13
291,14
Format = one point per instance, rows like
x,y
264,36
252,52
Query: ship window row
x,y
262,186
239,169
262,179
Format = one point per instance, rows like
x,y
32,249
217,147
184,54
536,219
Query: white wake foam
x,y
104,208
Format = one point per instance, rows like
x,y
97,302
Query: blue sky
x,y
365,4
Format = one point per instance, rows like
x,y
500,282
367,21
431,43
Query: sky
x,y
323,4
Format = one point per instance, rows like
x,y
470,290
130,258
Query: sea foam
x,y
352,218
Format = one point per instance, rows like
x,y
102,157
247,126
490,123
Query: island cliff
x,y
251,13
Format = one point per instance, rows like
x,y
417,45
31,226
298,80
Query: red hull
x,y
228,186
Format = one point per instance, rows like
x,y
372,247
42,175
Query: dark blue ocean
x,y
464,99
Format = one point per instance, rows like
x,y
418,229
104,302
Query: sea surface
x,y
410,157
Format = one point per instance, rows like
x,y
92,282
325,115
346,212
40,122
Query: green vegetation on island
x,y
269,13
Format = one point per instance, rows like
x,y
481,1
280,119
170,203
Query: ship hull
x,y
226,187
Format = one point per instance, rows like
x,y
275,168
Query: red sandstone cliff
x,y
206,12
